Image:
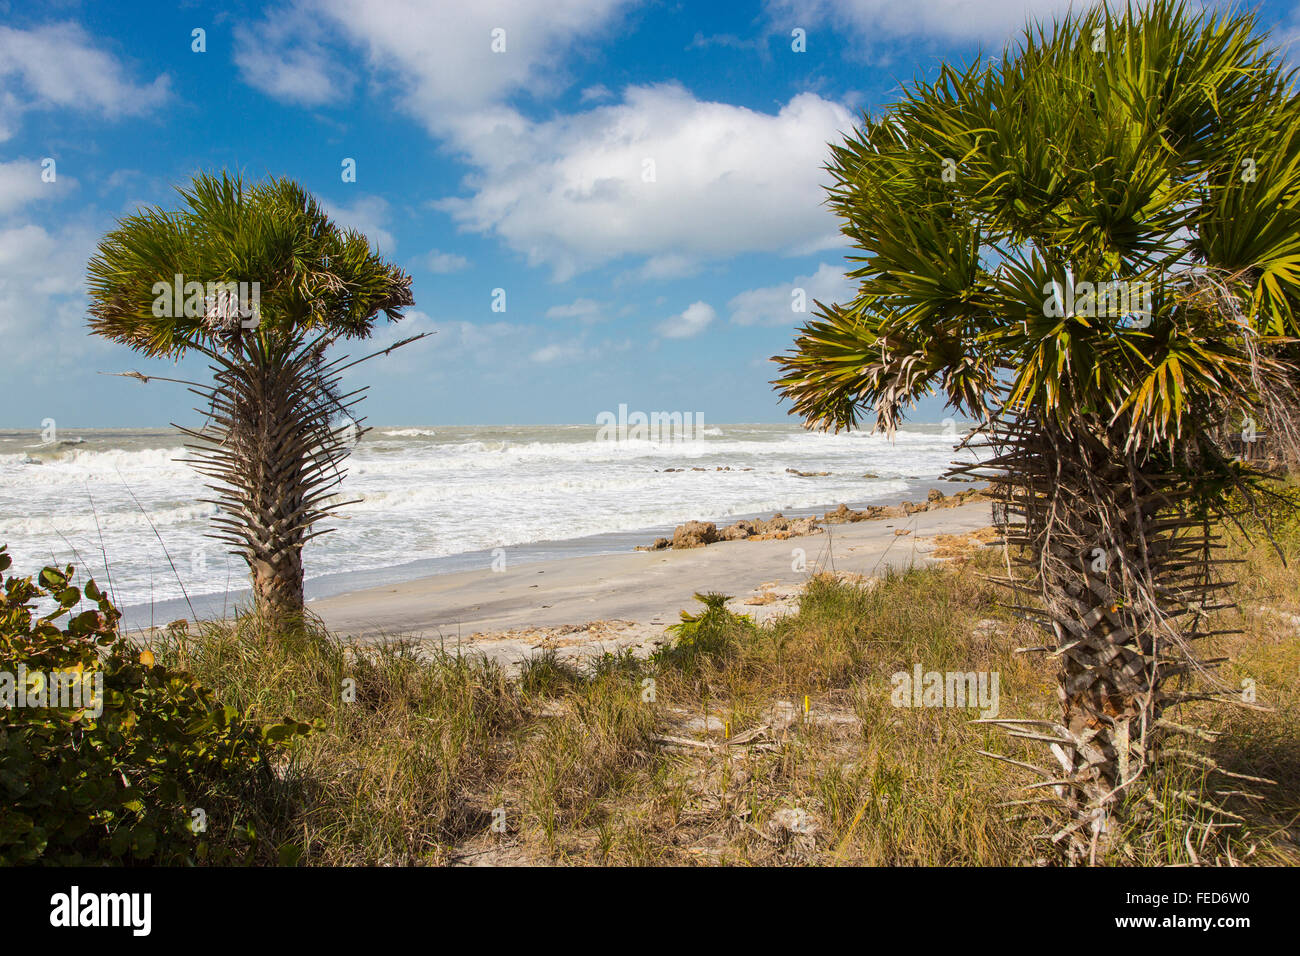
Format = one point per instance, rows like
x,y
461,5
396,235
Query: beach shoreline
x,y
580,606
222,605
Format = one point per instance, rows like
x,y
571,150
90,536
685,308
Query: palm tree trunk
x,y
1117,561
275,457
275,497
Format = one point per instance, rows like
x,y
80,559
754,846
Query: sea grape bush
x,y
157,771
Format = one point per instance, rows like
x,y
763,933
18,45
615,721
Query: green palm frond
x,y
312,275
1157,148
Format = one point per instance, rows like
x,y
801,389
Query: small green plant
x,y
709,634
146,767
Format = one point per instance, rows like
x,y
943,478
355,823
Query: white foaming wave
x,y
80,463
429,497
103,520
409,433
480,454
609,515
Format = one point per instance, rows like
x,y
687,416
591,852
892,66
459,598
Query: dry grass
x,y
771,744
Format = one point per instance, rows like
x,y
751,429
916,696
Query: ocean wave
x,y
427,495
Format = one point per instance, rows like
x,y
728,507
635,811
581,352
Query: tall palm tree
x,y
1091,245
260,281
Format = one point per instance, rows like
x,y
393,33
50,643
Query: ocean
x,y
118,504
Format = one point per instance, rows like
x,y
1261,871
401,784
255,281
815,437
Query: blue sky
x,y
642,179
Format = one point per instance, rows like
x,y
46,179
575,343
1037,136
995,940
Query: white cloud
x,y
443,263
435,55
284,55
367,215
691,322
42,295
559,352
584,310
670,265
774,304
454,347
493,350
58,65
21,183
572,192
989,21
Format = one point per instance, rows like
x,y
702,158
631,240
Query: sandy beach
x,y
588,605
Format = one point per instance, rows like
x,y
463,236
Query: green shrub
x,y
711,635
145,767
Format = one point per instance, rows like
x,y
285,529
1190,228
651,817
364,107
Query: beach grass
x,y
736,743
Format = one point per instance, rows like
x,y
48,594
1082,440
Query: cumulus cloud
x,y
21,183
42,295
584,310
657,175
443,263
689,323
990,21
59,66
367,215
285,55
661,175
559,352
778,304
596,93
436,56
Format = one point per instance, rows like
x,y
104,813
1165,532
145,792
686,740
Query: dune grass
x,y
737,743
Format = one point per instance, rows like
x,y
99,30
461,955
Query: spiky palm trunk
x,y
274,454
1121,562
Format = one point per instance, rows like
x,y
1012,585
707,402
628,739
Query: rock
x,y
695,534
778,522
736,532
934,495
793,820
795,832
803,525
807,474
781,715
871,474
846,514
659,545
708,725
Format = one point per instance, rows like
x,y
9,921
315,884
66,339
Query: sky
x,y
601,202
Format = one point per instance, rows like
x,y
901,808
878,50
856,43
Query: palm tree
x,y
1090,245
260,281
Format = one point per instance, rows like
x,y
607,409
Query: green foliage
x,y
710,634
1153,147
547,675
313,275
118,779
